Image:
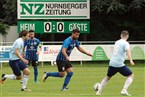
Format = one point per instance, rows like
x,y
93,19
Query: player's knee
x,y
70,74
26,72
62,74
132,75
107,78
18,77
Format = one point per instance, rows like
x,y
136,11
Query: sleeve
x,y
77,43
65,44
38,42
17,44
127,46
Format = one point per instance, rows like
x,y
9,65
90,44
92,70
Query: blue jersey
x,y
18,44
69,44
31,49
119,53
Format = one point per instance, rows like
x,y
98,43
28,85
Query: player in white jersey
x,y
116,64
17,62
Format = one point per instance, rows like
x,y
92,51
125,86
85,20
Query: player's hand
x,y
25,61
67,58
37,53
89,54
131,62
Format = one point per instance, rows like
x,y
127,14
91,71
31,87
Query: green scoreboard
x,y
54,26
53,16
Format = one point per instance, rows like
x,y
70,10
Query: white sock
x,y
102,84
12,76
22,78
25,80
128,82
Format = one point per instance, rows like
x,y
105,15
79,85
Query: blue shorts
x,y
125,71
17,66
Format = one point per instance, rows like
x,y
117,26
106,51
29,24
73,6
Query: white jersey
x,y
119,53
19,43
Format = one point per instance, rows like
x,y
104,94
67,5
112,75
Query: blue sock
x,y
53,74
67,79
35,73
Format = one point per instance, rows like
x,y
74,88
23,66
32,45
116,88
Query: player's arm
x,y
83,51
19,55
39,49
128,50
23,51
65,54
130,56
65,45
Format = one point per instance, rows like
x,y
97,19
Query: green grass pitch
x,y
81,84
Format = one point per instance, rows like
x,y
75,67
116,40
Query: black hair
x,y
31,31
75,31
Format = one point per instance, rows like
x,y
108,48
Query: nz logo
x,y
31,9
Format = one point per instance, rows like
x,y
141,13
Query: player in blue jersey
x,y
63,61
116,64
17,62
33,48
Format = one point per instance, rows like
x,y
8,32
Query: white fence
x,y
101,50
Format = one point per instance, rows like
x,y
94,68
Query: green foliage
x,y
3,28
116,5
107,5
109,17
137,4
9,12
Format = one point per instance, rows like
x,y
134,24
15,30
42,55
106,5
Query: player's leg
x,y
111,71
61,69
69,71
35,67
22,73
16,71
26,73
125,71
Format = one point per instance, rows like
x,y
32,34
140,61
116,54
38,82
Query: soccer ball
x,y
96,86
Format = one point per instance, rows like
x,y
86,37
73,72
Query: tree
x,y
9,12
3,28
8,15
109,17
1,6
107,5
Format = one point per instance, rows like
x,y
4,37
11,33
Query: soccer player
x,y
33,48
116,64
63,61
17,62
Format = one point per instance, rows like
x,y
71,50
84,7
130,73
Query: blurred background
x,y
107,19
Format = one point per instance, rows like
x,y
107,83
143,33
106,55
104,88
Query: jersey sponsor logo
x,y
74,44
35,43
31,47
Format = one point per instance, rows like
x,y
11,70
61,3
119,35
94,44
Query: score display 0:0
x,y
49,27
